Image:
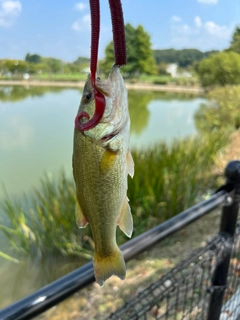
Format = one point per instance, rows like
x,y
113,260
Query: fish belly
x,y
101,185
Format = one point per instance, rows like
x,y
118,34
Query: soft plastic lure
x,y
119,52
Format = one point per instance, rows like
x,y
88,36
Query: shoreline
x,y
80,84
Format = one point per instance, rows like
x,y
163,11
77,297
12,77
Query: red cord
x,y
98,96
118,32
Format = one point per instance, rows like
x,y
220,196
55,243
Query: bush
x,y
219,69
221,113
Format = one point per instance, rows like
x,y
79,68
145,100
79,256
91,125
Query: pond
x,y
36,129
36,133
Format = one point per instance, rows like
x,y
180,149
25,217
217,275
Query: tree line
x,y
212,67
34,63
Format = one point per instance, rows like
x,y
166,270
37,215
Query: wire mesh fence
x,y
183,293
231,306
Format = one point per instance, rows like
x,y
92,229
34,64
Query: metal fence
x,y
184,292
206,285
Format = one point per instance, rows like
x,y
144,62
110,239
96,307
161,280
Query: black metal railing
x,y
200,287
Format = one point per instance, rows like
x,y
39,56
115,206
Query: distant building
x,y
172,69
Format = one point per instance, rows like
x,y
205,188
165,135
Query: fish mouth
x,y
108,137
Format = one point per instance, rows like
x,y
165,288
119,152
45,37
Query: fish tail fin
x,y
105,267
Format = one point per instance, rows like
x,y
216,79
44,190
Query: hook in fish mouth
x,y
100,103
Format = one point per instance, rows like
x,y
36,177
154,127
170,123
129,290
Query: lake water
x,y
36,129
36,133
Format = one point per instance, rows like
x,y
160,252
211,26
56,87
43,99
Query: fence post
x,y
227,230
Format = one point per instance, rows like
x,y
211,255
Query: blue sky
x,y
61,28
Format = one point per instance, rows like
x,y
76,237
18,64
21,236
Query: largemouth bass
x,y
101,164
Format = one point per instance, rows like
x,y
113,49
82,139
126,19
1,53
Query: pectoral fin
x,y
108,161
130,164
125,221
79,216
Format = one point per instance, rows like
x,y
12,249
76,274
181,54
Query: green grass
x,y
48,225
167,180
143,78
150,79
61,77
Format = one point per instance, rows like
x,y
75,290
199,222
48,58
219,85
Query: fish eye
x,y
87,96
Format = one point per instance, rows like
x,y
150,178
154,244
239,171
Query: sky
x,y
62,28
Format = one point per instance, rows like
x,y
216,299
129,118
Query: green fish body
x,y
101,164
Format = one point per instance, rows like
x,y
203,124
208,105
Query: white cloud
x,y
80,6
9,10
82,24
176,19
198,21
204,35
218,31
208,1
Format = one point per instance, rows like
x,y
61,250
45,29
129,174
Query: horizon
x,y
63,31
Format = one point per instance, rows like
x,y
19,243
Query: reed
x,y
167,180
48,225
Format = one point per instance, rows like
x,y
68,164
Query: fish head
x,y
115,118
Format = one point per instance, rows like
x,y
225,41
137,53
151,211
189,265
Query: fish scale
x,y
101,163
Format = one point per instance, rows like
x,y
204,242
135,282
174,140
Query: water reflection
x,y
18,93
139,113
26,277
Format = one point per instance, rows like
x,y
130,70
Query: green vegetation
x,y
39,66
48,226
143,64
220,69
142,61
139,53
166,182
17,93
167,179
235,43
62,76
183,58
221,114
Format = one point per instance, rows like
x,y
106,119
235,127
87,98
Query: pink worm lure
x,y
120,57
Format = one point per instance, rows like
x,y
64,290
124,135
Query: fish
x,y
102,162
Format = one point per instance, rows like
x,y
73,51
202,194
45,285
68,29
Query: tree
x,y
33,58
220,69
183,58
235,43
139,53
14,66
221,112
82,61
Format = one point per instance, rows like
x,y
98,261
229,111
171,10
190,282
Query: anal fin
x,y
130,164
125,222
79,216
